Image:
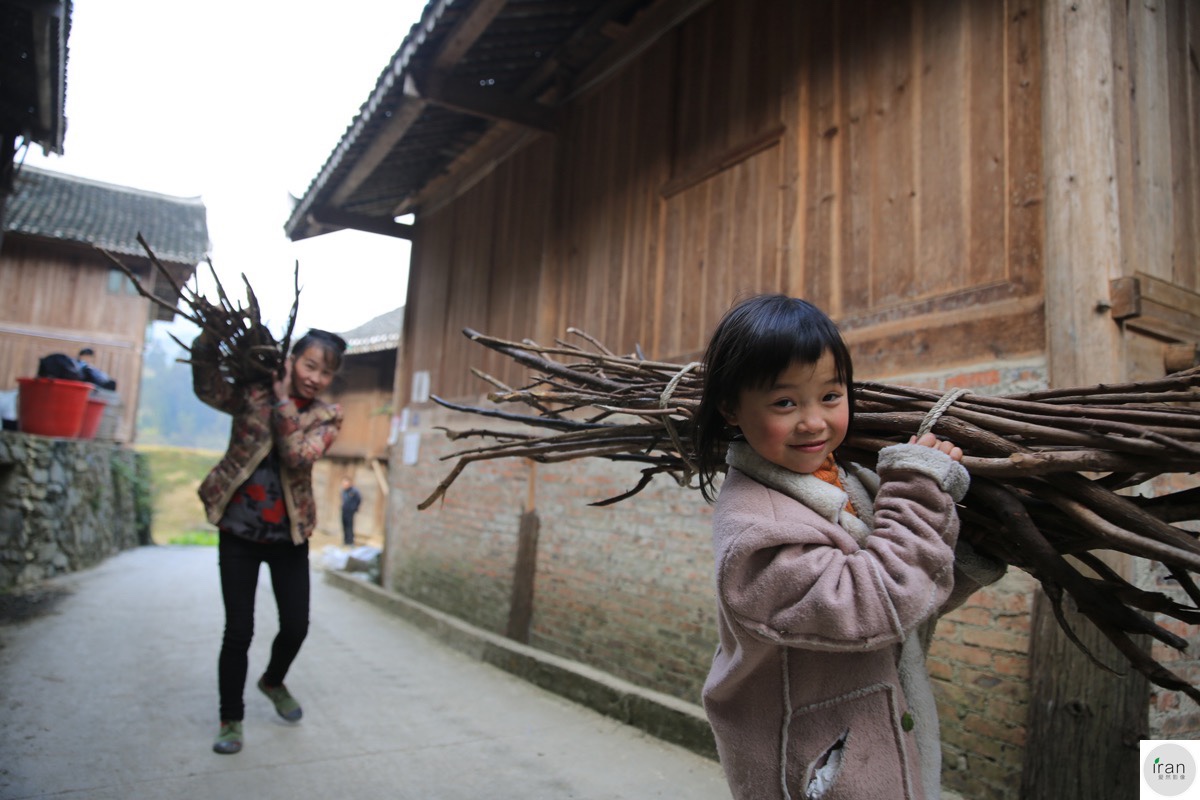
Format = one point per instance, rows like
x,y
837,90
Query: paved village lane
x,y
112,696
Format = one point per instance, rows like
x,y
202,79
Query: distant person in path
x,y
351,500
260,498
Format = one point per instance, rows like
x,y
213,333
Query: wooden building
x,y
364,387
1000,194
60,294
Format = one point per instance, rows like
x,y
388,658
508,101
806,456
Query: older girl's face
x,y
312,372
797,422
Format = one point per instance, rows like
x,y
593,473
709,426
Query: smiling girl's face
x,y
799,420
312,372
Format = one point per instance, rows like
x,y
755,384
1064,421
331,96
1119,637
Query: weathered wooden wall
x,y
363,388
58,300
880,159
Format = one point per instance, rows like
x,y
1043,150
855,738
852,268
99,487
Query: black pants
x,y
347,528
239,560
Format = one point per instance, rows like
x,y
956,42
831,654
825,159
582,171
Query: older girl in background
x,y
260,498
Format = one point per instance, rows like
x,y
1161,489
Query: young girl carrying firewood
x,y
829,576
261,499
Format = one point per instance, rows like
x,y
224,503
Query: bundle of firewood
x,y
247,353
1046,467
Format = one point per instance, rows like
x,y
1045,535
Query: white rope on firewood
x,y
664,400
938,409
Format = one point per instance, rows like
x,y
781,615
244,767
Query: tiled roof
x,y
67,208
380,333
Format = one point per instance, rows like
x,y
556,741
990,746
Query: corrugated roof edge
x,y
388,78
379,333
372,344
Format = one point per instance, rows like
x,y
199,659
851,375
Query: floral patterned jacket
x,y
301,437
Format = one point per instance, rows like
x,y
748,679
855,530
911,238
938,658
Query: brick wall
x,y
979,663
626,588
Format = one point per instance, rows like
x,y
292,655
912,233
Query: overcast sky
x,y
239,103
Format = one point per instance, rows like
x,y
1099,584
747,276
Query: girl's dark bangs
x,y
777,346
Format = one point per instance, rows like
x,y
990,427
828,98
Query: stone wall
x,y
66,504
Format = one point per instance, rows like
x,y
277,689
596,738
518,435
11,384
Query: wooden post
x,y
1084,722
520,613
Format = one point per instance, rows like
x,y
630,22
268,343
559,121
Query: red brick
x,y
939,669
996,640
963,654
989,377
972,615
1013,666
990,729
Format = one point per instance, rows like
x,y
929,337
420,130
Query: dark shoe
x,y
285,705
229,739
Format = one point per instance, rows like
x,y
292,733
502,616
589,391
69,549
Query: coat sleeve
x,y
207,382
793,578
302,438
972,571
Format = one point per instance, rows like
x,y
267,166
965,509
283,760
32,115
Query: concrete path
x,y
112,695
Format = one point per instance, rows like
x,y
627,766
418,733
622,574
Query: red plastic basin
x,y
93,412
51,406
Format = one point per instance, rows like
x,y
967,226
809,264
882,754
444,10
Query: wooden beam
x,y
65,334
1178,357
600,22
644,31
520,610
338,219
466,32
470,98
464,35
402,119
380,476
500,144
1156,307
1084,722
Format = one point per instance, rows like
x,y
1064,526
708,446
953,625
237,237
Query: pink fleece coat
x,y
815,607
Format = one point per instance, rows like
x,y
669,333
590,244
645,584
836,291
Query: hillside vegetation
x,y
175,474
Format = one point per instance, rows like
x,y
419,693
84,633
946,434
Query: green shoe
x,y
229,740
285,704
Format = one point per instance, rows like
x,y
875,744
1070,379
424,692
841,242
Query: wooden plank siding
x,y
363,387
879,158
60,300
486,261
1163,66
